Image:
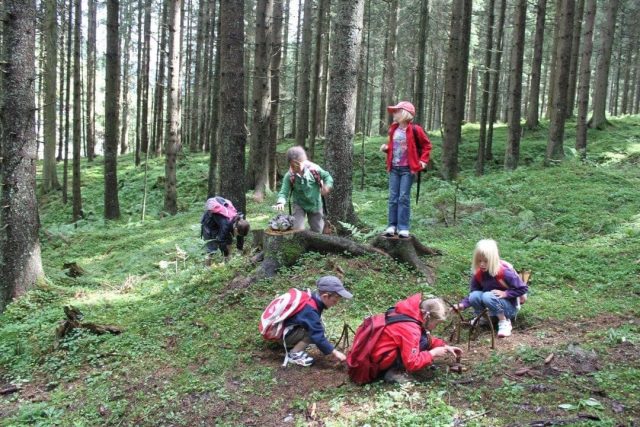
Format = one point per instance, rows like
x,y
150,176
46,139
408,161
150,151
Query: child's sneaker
x,y
403,234
390,231
300,358
504,328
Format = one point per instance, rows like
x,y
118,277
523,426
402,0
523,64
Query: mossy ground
x,y
191,355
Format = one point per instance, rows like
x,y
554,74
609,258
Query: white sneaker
x,y
403,233
504,328
300,358
390,231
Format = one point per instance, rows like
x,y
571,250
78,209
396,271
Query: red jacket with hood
x,y
404,337
423,141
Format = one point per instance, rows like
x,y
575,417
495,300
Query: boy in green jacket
x,y
306,183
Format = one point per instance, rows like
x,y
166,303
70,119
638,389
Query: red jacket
x,y
423,140
404,337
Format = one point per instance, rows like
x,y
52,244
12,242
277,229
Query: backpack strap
x,y
318,180
392,317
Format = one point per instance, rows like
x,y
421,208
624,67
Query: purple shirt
x,y
400,153
488,283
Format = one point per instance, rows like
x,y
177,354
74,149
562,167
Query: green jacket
x,y
306,191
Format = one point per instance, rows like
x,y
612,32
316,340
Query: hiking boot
x,y
403,234
504,328
300,358
396,376
390,231
481,321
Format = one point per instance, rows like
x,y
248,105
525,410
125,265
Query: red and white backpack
x,y
280,309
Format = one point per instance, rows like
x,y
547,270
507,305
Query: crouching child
x,y
294,319
397,343
219,224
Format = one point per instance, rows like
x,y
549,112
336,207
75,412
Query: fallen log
x,y
73,321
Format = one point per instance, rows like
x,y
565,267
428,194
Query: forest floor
x,y
190,353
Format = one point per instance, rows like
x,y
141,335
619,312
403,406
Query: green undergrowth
x,y
189,329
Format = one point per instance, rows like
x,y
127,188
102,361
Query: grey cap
x,y
333,284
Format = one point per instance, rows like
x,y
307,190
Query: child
x,y
494,285
306,327
407,154
307,183
407,346
219,223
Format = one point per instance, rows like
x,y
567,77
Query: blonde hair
x,y
486,249
405,116
435,307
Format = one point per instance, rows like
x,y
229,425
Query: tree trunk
x,y
493,111
317,69
296,74
420,93
304,80
112,110
598,119
486,81
276,64
554,59
127,28
77,114
91,79
139,65
575,53
67,106
232,134
322,114
455,76
61,72
19,222
172,134
144,91
341,111
258,170
585,76
473,96
555,149
206,83
512,153
50,176
389,68
194,143
215,146
533,117
158,113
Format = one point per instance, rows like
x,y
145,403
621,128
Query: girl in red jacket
x,y
407,154
408,346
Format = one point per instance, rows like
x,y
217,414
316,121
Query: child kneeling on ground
x,y
404,345
220,223
494,285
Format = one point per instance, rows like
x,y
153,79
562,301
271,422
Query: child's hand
x,y
456,308
339,355
456,351
423,165
325,190
279,206
384,148
499,293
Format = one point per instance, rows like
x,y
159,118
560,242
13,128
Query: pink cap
x,y
403,105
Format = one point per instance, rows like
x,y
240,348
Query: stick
x,y
493,332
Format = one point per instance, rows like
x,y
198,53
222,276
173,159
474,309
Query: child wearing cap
x,y
306,326
407,151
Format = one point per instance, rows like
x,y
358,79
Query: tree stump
x,y
284,248
408,251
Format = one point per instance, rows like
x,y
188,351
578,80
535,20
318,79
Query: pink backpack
x,y
221,206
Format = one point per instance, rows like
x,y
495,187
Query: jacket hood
x,y
411,307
